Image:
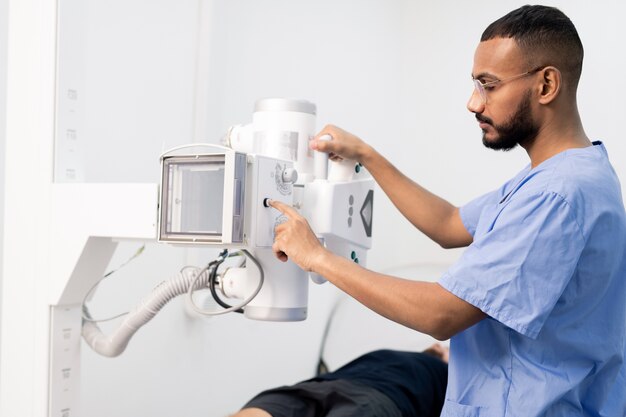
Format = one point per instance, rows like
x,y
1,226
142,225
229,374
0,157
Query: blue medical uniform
x,y
548,266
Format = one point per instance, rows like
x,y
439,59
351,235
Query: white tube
x,y
240,138
235,283
115,343
284,297
282,129
342,171
320,161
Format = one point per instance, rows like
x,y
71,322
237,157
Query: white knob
x,y
290,176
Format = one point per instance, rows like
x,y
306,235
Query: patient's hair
x,y
546,36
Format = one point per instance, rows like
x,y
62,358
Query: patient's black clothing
x,y
412,385
337,398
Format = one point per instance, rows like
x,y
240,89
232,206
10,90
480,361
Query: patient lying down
x,y
383,383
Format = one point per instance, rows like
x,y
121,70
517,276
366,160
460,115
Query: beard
x,y
520,129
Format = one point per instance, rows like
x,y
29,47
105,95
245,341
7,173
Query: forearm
x,y
422,306
432,215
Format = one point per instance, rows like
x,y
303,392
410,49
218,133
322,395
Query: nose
x,y
475,103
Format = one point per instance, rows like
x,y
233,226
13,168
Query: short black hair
x,y
545,35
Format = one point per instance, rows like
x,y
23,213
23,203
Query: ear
x,y
551,83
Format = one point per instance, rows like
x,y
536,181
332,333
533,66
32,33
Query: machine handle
x,y
320,161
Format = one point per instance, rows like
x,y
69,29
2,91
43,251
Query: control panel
x,y
275,180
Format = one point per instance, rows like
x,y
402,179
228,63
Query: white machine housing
x,y
217,197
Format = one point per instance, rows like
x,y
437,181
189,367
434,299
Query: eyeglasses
x,y
482,88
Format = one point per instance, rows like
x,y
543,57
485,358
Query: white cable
x,y
244,303
192,145
93,287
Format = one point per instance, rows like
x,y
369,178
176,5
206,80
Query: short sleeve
x,y
523,255
470,213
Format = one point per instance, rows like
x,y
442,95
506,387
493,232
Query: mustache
x,y
484,119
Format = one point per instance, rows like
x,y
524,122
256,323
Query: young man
x,y
383,383
536,306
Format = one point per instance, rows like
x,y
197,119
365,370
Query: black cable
x,y
213,283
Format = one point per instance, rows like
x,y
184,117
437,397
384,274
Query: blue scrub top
x,y
548,266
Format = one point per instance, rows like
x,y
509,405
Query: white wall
x,y
3,79
394,72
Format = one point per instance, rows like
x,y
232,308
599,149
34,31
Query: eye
x,y
489,85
